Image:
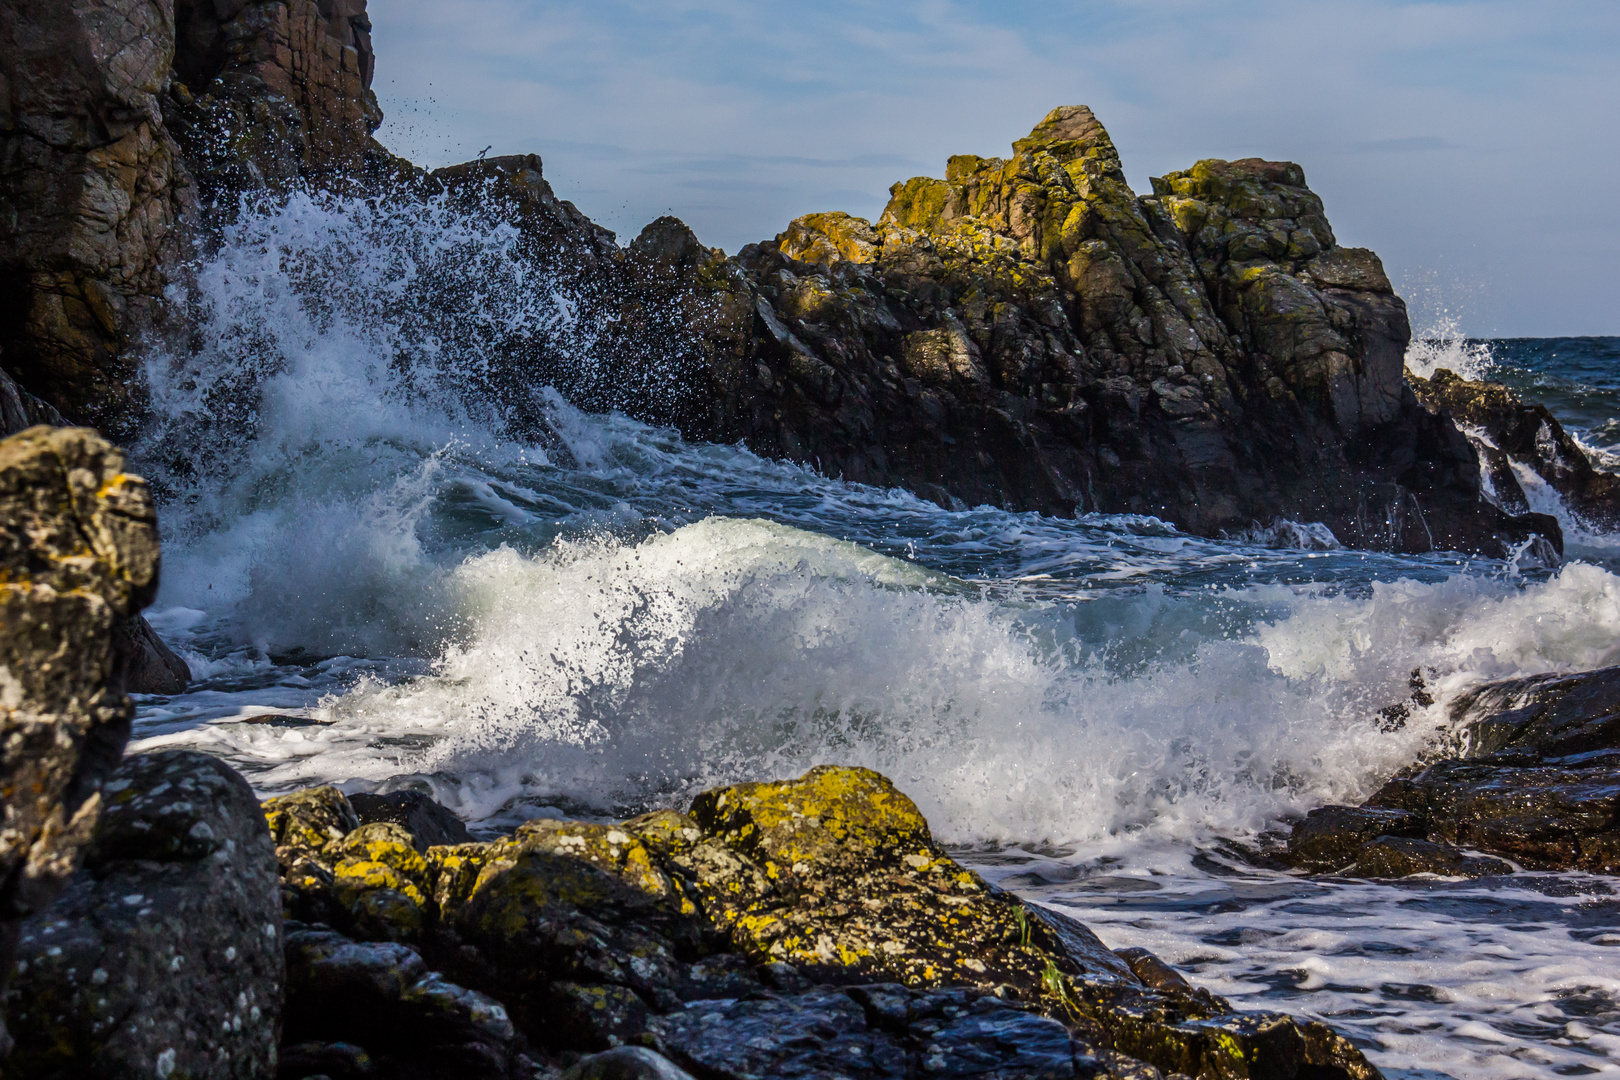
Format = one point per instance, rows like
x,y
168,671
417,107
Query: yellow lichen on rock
x,y
830,237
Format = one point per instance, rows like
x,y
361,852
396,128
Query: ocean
x,y
380,583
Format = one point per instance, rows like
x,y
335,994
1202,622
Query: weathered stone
x,y
381,999
428,823
1528,434
273,91
855,889
625,1063
1397,856
163,955
153,668
1330,836
78,555
1539,784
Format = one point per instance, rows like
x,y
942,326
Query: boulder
x,y
1538,783
163,955
355,1008
78,556
428,823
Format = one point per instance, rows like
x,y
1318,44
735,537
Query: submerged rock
x,y
163,955
1538,783
798,927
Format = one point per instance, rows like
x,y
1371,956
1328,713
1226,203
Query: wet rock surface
x,y
805,927
78,556
163,955
1508,429
1538,783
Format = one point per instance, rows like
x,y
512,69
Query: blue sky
x,y
1474,144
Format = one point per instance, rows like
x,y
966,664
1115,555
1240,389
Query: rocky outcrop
x,y
272,92
1537,782
1506,429
163,956
777,928
107,113
78,556
1029,332
91,194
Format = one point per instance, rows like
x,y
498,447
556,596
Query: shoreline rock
x,y
78,556
778,927
1537,782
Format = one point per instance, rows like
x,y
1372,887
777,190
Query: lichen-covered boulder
x,y
721,937
163,956
429,824
859,891
78,556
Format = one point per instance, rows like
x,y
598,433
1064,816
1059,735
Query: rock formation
x,y
1505,429
778,928
78,557
1030,333
164,955
108,112
1537,781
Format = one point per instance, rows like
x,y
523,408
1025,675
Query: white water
x,y
529,610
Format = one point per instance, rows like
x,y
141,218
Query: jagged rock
x,y
1528,434
20,410
271,92
687,932
153,667
1028,332
78,554
1539,783
163,955
93,189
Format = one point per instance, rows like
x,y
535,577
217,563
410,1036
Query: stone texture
x,y
1529,434
349,1001
163,956
427,823
78,554
272,92
805,926
1538,782
92,190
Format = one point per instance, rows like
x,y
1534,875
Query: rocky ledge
x,y
804,928
1535,780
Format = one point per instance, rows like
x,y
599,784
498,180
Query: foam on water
x,y
387,567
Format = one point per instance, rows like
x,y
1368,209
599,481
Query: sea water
x,y
382,579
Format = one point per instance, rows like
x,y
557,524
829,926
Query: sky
x,y
1474,144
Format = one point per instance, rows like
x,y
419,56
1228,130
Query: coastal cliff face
x,y
115,118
